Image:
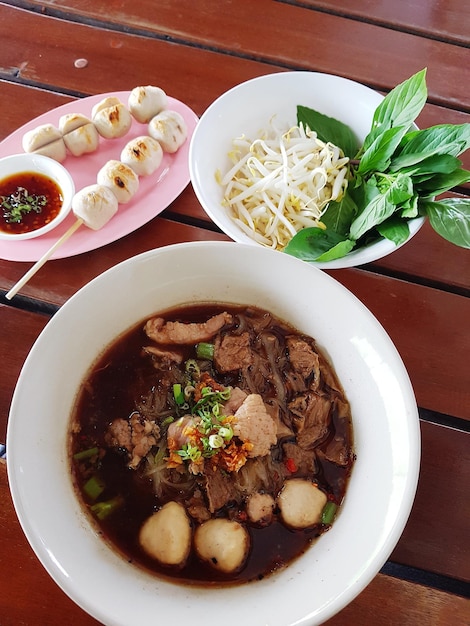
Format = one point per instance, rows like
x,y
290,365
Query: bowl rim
x,y
366,254
63,561
53,169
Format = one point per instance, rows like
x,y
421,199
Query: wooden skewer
x,y
40,262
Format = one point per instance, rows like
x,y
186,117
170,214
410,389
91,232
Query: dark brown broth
x,y
119,378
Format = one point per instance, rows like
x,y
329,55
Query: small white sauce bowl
x,y
18,163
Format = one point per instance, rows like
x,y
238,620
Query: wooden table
x,y
196,51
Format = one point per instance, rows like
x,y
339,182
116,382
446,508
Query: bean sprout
x,y
282,183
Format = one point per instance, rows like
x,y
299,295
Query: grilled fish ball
x,y
113,121
80,135
143,154
146,102
120,178
47,140
169,129
95,205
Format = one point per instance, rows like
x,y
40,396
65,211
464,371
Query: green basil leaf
x,y
378,210
310,243
452,139
401,189
441,183
338,251
450,218
378,155
409,208
339,215
382,206
329,129
395,229
435,164
402,105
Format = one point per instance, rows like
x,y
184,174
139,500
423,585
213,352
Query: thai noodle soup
x,y
212,444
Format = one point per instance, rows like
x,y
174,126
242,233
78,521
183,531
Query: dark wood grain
x,y
18,331
447,20
30,597
59,279
441,499
315,44
427,326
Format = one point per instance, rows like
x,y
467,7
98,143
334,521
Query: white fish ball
x,y
45,139
222,543
95,205
146,102
166,535
301,503
72,121
113,122
169,129
120,179
143,154
82,140
105,103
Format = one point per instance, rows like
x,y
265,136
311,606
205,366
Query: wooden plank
x,y
18,332
397,55
59,279
431,258
392,602
30,597
428,327
447,20
441,501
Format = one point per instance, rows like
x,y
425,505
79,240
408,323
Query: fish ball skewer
x,y
93,206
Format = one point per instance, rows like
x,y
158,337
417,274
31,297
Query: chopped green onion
x,y
103,509
329,512
205,351
94,487
226,432
178,394
192,368
85,454
189,453
168,420
216,441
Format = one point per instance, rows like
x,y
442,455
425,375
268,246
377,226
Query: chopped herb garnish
x,y
20,203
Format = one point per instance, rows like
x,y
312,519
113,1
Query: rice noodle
x,y
282,183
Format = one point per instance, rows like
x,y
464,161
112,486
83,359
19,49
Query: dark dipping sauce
x,y
127,379
37,191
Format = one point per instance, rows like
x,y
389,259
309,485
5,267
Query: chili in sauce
x,y
28,201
